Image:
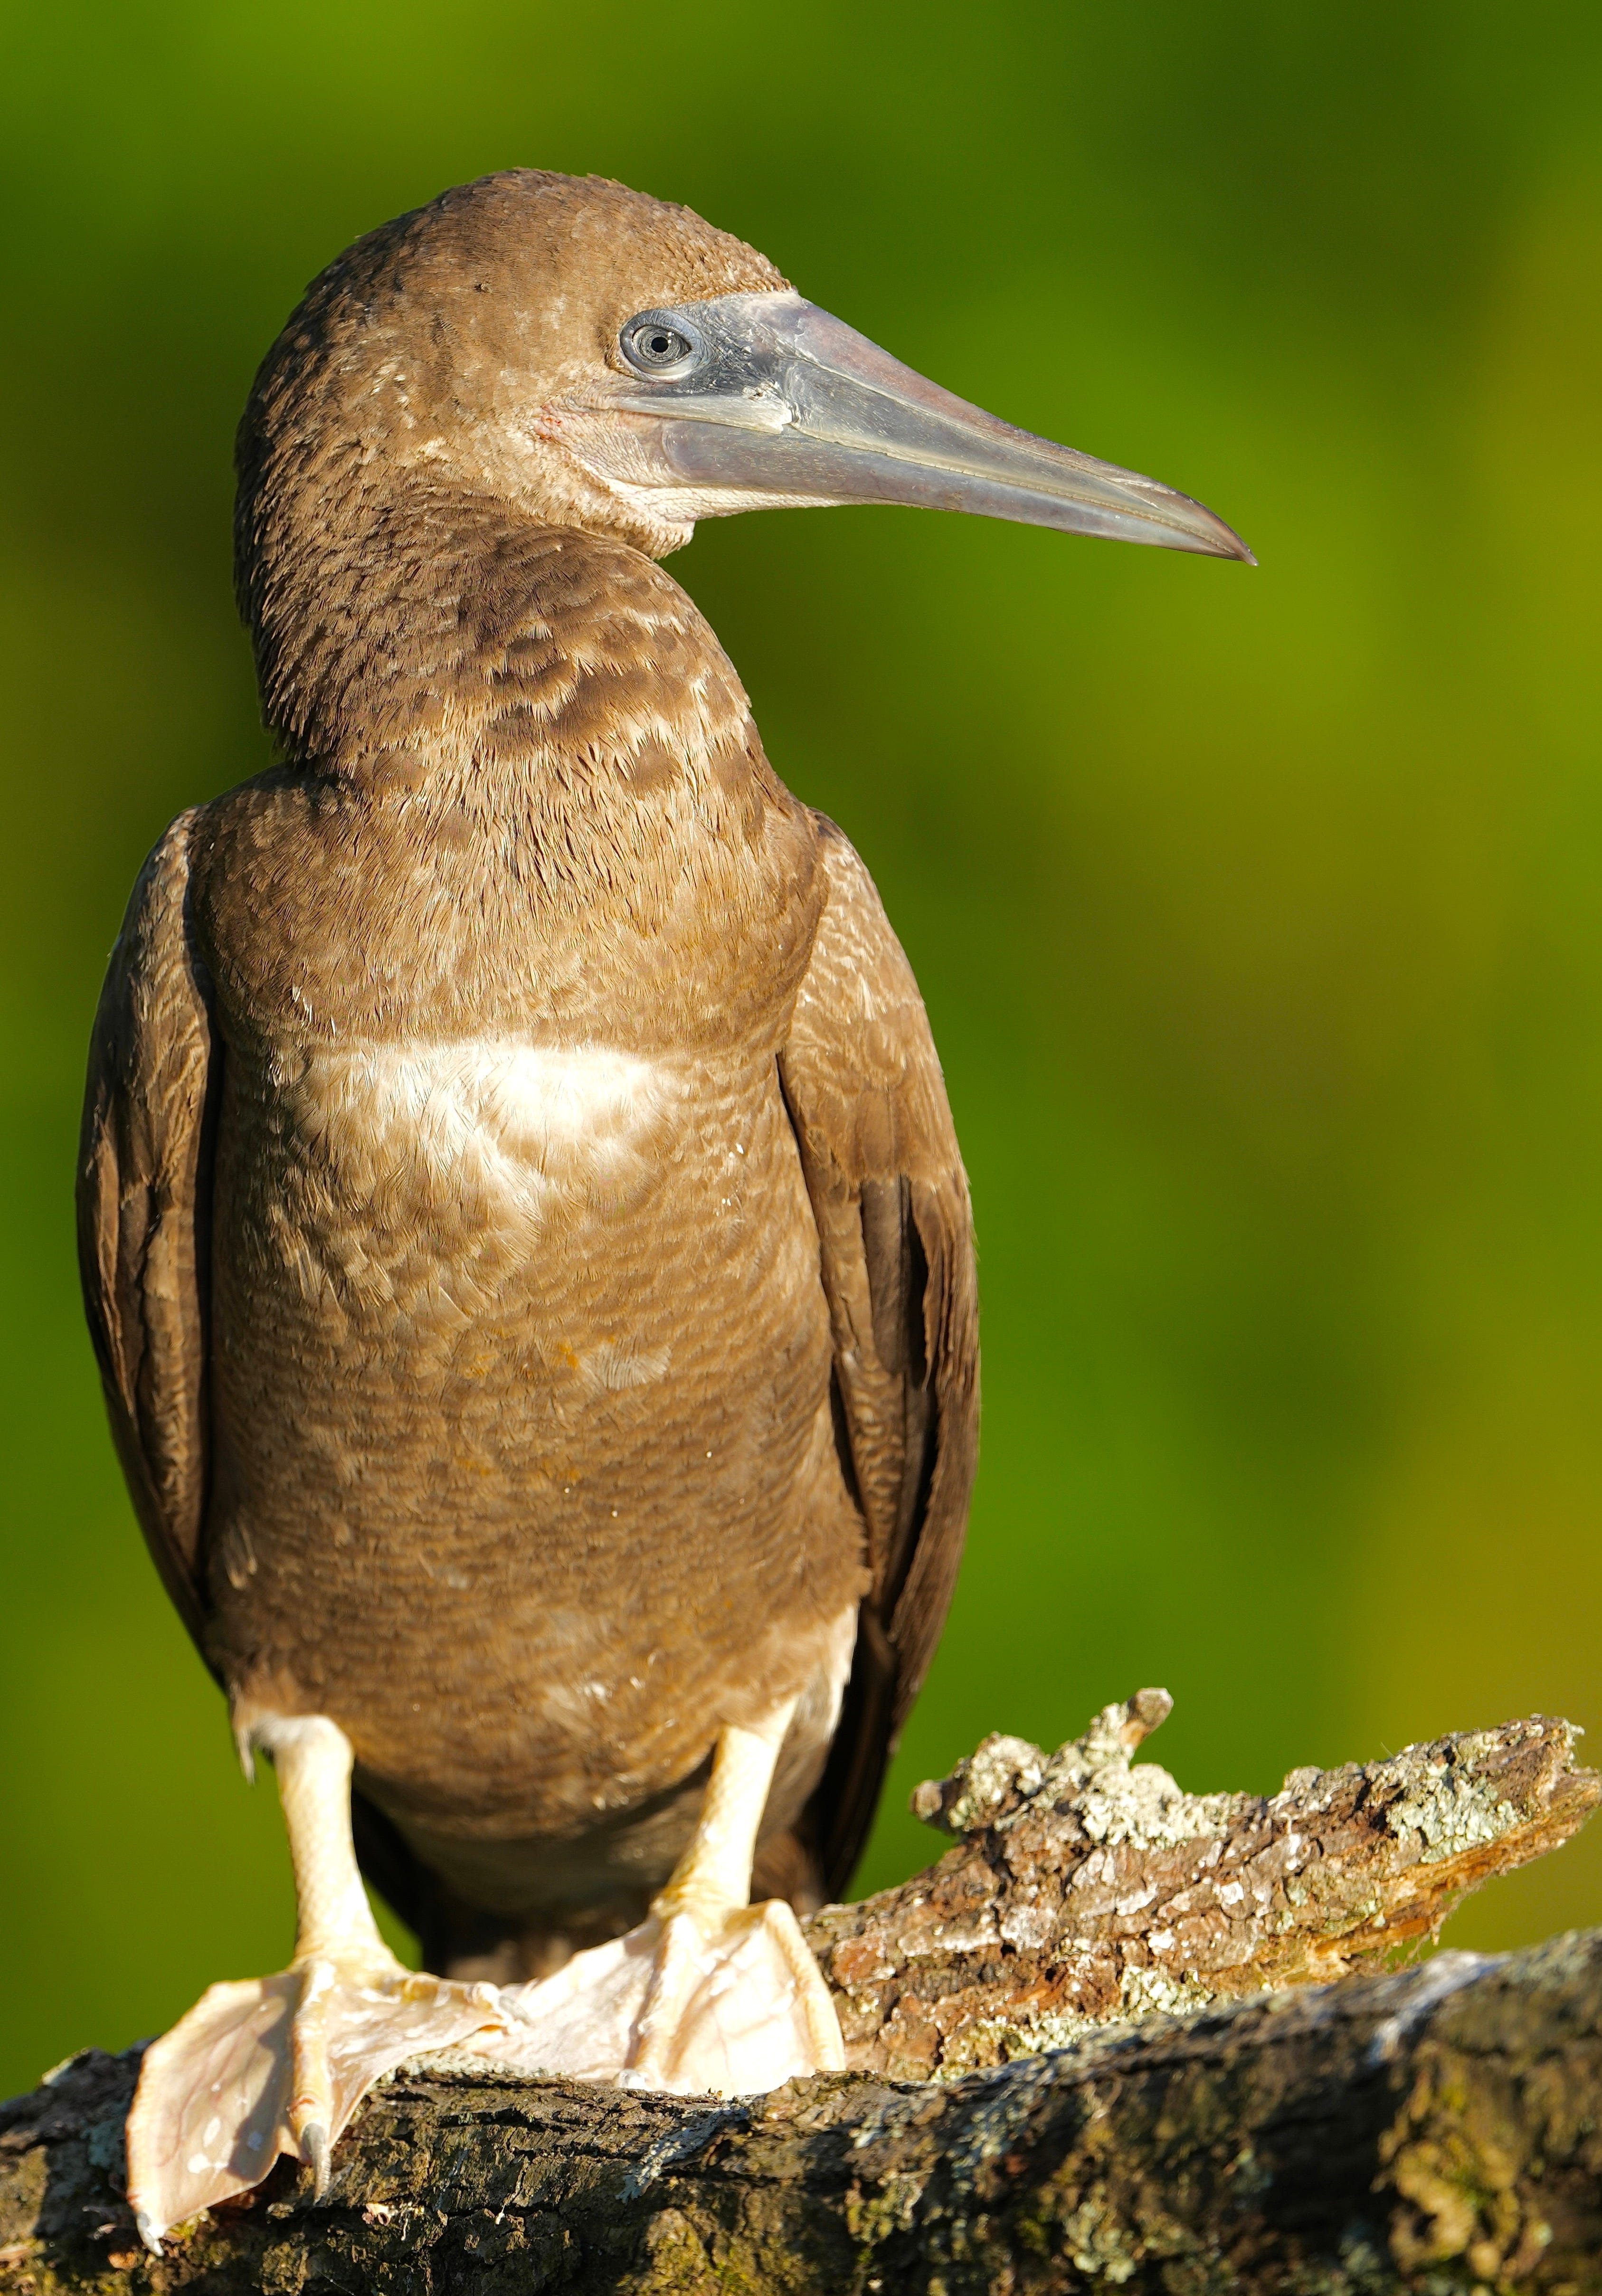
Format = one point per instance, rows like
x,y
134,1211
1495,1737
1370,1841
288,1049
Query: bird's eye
x,y
655,346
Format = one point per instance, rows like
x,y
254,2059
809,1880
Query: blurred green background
x,y
1257,914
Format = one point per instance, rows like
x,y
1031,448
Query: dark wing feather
x,y
869,1104
143,1190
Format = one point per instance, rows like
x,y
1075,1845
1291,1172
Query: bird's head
x,y
610,361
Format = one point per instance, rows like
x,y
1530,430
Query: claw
x,y
315,2151
680,1966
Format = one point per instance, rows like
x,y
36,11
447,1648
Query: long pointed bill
x,y
750,400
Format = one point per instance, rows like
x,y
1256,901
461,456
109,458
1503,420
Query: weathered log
x,y
1432,2130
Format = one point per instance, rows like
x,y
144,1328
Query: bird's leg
x,y
711,1992
706,1914
337,1941
278,2064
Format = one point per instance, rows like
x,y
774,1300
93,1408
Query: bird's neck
x,y
369,608
553,695
425,628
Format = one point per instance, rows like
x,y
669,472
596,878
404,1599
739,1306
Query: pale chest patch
x,y
515,1128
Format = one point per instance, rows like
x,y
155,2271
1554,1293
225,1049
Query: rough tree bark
x,y
1088,1888
1435,2128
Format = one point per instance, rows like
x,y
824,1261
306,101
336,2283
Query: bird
x,y
522,1228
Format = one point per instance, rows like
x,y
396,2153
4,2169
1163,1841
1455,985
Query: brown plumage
x,y
531,1496
522,1229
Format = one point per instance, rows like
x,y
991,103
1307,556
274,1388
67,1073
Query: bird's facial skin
x,y
612,362
588,358
750,401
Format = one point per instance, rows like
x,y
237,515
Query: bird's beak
x,y
756,400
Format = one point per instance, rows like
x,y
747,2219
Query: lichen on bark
x,y
1087,1887
1432,2130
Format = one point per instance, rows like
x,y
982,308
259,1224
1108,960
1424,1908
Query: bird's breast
x,y
486,1214
520,1398
521,1131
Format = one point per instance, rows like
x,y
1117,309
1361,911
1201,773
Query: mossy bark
x,y
1433,2130
1087,1888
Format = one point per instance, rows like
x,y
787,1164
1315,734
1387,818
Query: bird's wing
x,y
865,1093
143,1193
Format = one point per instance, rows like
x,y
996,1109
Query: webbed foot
x,y
277,2064
732,2005
710,1993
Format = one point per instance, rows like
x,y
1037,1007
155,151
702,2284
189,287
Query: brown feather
x,y
863,1084
143,1192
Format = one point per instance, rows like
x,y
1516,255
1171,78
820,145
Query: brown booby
x,y
523,1233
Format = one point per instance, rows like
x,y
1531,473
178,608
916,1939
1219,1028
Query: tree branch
x,y
1087,1888
1430,2130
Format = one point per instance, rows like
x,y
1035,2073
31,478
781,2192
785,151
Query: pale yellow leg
x,y
711,1992
707,1903
337,1940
